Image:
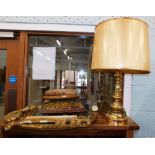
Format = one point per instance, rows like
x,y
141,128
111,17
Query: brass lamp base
x,y
117,112
118,117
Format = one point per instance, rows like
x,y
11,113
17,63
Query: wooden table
x,y
100,128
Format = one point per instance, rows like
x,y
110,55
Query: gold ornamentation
x,y
117,112
14,117
23,118
62,107
57,123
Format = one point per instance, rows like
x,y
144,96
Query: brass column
x,y
117,112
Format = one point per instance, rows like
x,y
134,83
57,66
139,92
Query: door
x,y
9,64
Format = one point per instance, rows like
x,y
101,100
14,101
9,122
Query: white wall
x,y
143,97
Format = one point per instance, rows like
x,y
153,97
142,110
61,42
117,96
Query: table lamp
x,y
121,46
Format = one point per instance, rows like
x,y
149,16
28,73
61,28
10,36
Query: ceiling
x,y
80,20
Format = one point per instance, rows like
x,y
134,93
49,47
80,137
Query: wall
x,y
143,97
143,86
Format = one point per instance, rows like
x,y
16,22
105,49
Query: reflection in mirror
x,y
105,89
2,80
72,66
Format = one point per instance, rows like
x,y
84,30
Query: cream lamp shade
x,y
122,45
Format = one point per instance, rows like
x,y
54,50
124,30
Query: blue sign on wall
x,y
12,79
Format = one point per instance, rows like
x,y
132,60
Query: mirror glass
x,y
58,62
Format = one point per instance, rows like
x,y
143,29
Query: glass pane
x,y
72,65
2,80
